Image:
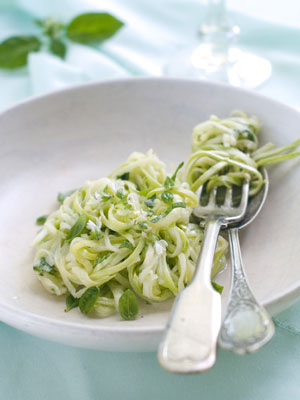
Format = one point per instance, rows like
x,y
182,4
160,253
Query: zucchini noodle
x,y
225,153
130,230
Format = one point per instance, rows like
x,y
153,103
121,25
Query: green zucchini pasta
x,y
225,152
128,231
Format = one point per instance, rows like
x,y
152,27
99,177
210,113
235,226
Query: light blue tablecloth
x,y
36,369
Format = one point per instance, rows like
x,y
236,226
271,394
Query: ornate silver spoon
x,y
246,326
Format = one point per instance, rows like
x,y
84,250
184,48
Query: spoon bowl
x,y
246,326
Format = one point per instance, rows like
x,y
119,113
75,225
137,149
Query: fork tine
x,y
199,192
244,199
228,197
212,197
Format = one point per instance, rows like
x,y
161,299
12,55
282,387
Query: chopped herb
x,y
154,237
180,204
126,244
41,220
78,227
124,177
169,182
246,134
150,213
99,259
88,299
167,197
105,195
95,235
62,196
43,267
143,225
71,302
217,287
128,305
177,169
120,194
150,202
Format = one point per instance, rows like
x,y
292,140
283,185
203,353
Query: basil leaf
x,y
143,225
14,50
126,244
58,47
88,299
62,196
167,197
168,183
128,305
120,194
179,204
78,227
41,220
43,267
105,195
92,28
95,235
177,169
154,237
217,287
150,202
71,302
124,176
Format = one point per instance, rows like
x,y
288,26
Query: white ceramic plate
x,y
56,142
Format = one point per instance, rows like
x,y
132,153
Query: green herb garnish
x,y
180,204
71,302
62,196
150,202
126,244
120,194
105,195
124,177
170,182
167,197
41,220
217,287
78,227
99,259
43,267
88,299
143,225
128,305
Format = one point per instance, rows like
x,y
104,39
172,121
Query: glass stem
x,y
216,27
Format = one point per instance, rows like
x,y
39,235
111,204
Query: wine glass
x,y
216,57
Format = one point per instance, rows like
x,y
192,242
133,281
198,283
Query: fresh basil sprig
x,y
88,29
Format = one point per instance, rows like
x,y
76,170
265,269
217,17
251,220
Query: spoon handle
x,y
247,326
191,336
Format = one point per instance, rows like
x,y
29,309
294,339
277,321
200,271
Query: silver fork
x,y
189,343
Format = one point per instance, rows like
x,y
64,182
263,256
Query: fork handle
x,y
246,326
189,344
